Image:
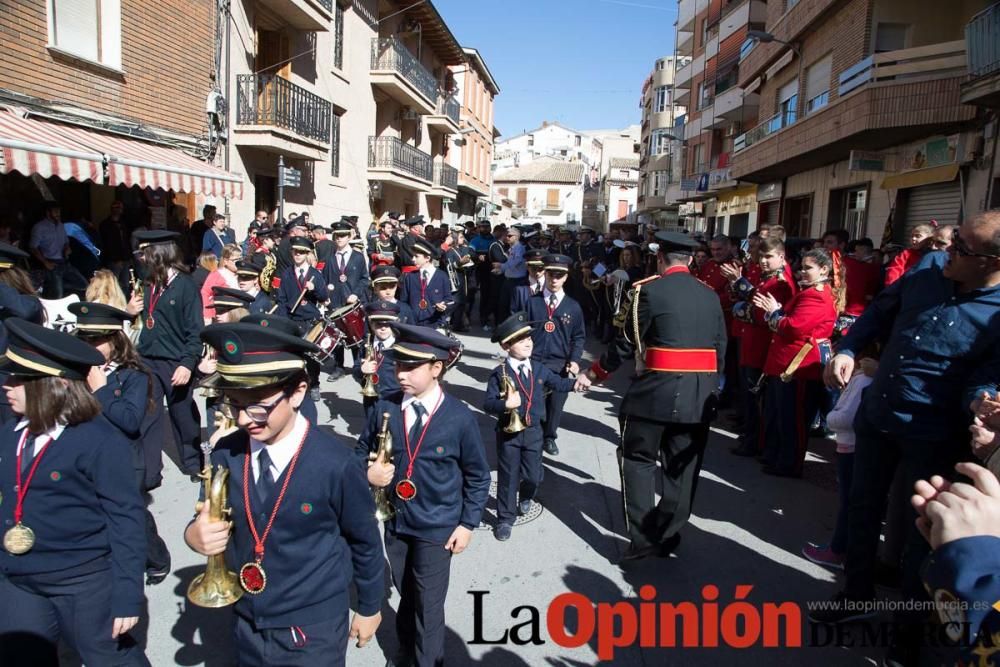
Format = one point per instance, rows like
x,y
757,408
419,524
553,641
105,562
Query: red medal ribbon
x,y
412,454
423,291
529,393
551,310
22,489
154,297
258,540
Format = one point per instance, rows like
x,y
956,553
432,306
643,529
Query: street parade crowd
x,y
893,352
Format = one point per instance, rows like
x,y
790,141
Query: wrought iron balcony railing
x,y
388,53
445,176
392,153
270,100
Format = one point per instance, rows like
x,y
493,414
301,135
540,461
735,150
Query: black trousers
x,y
752,404
184,416
519,471
35,614
420,573
877,454
787,410
678,449
507,295
555,401
322,644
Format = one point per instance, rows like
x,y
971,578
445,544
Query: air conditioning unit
x,y
410,114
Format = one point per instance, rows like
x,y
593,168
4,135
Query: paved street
x,y
747,529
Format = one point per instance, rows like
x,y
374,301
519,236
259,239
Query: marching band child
x,y
385,280
519,454
380,367
301,279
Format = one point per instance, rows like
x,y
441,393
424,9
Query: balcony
x,y
686,10
982,41
392,160
688,71
398,72
445,116
308,15
274,114
884,100
445,180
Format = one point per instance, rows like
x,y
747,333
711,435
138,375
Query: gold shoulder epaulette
x,y
648,279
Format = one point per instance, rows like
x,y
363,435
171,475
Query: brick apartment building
x,y
106,100
860,118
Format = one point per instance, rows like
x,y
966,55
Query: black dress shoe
x,y
670,544
524,506
551,448
503,532
154,577
634,554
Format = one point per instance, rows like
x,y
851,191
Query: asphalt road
x,y
747,531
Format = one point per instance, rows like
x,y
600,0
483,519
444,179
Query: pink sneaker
x,y
823,556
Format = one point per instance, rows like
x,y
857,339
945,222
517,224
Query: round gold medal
x,y
19,540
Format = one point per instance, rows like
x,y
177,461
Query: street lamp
x,y
765,37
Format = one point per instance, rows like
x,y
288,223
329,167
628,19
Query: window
x,y
818,84
891,36
335,146
705,97
522,198
704,32
576,140
552,198
788,103
531,140
338,36
89,29
659,65
697,166
504,192
659,142
660,180
662,100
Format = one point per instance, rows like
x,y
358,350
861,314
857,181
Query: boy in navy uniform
x,y
301,508
385,280
535,260
519,455
301,279
346,274
248,277
74,547
558,341
426,289
380,367
438,480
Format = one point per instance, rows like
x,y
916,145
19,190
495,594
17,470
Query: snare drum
x,y
326,336
350,319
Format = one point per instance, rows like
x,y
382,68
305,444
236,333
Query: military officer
x,y
675,325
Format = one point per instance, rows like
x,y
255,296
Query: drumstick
x,y
299,300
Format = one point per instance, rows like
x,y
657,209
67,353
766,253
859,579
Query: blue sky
x,y
579,62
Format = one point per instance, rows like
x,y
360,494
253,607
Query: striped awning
x,y
63,151
33,147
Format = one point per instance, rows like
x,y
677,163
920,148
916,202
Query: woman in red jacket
x,y
794,368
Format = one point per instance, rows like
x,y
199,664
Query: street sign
x,y
290,177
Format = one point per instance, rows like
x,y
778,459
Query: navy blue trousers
x,y
519,470
185,419
787,410
420,572
36,612
322,644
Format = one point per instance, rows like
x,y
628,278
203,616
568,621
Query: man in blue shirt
x,y
941,350
514,270
48,245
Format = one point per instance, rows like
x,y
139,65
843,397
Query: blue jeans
x,y
845,472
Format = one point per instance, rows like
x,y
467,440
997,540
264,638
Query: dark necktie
x,y
342,260
28,454
552,303
265,479
523,374
379,347
302,276
423,278
419,411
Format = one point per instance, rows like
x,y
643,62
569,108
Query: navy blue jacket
x,y
519,297
406,315
543,379
967,571
124,403
451,473
177,321
387,384
438,290
85,509
355,274
261,304
211,242
563,345
943,350
327,517
15,304
290,289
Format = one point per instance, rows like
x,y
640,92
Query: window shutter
x,y
522,197
552,198
818,78
76,28
789,90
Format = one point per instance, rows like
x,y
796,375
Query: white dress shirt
x,y
427,272
517,364
430,403
42,439
282,451
548,297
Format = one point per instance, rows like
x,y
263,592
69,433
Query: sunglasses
x,y
300,252
258,413
961,248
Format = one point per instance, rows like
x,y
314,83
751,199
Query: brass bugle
x,y
383,505
514,422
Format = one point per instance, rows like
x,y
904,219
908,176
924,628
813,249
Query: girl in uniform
x,y
18,298
74,548
794,366
169,345
126,392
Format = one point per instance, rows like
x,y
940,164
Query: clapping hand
x,y
950,511
731,272
766,302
